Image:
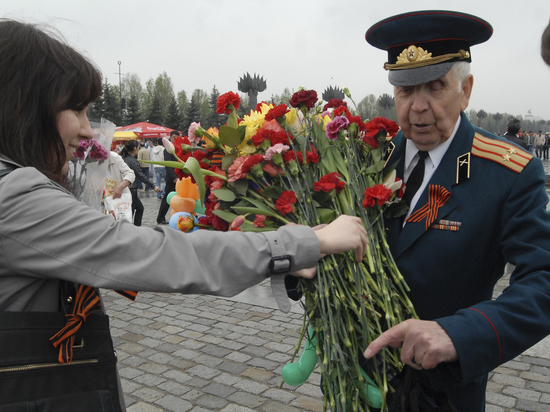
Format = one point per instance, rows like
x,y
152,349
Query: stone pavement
x,y
203,353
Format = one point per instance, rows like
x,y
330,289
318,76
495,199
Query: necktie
x,y
415,179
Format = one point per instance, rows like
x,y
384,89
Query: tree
x,y
386,102
160,89
133,112
183,104
498,118
283,98
155,114
214,119
366,108
482,114
193,113
111,104
173,119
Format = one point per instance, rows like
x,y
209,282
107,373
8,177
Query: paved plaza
x,y
203,353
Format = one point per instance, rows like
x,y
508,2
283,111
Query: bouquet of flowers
x,y
307,164
87,170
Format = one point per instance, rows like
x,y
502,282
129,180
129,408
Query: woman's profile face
x,y
73,126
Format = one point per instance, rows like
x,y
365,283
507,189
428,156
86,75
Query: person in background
x,y
49,239
143,154
171,179
512,130
128,154
157,155
539,144
481,202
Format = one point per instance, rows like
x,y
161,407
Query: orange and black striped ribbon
x,y
437,197
127,294
217,158
86,301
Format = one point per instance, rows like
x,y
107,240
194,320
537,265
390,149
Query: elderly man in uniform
x,y
477,201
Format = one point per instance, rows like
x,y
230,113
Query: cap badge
x,y
412,54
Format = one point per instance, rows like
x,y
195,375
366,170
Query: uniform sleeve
x,y
46,233
493,332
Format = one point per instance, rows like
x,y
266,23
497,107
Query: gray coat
x,y
46,235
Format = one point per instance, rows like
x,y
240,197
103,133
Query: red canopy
x,y
146,130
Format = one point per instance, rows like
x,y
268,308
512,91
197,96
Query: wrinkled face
x,y
428,112
73,126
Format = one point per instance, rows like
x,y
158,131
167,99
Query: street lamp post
x,y
120,87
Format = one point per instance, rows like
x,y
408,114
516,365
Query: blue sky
x,y
310,43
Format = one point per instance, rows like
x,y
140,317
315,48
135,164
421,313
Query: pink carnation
x,y
334,127
236,170
191,133
278,148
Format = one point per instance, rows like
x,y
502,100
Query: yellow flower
x,y
294,120
326,120
209,144
246,147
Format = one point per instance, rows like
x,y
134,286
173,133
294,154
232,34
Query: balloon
x,y
186,188
296,374
182,204
199,208
170,196
183,221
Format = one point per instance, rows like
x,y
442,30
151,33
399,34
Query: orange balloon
x,y
182,204
186,188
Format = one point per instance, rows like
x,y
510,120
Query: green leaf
x,y
166,163
227,216
230,136
326,215
241,186
257,211
224,194
272,192
228,160
260,205
193,167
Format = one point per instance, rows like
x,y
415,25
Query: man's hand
x,y
424,344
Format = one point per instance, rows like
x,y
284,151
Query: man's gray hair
x,y
461,71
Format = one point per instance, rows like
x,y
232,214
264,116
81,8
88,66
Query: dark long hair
x,y
40,76
128,148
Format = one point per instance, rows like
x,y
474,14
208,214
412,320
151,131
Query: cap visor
x,y
420,75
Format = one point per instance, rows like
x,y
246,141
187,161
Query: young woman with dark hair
x,y
49,240
129,153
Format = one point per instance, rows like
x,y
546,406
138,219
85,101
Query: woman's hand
x,y
343,234
157,189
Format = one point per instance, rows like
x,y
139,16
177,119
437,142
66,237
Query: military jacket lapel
x,y
448,175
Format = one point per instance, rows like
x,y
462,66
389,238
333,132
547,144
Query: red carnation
x,y
312,157
341,111
334,103
285,201
306,98
227,102
259,106
276,112
252,161
381,123
378,194
357,120
329,182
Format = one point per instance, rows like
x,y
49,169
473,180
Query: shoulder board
x,y
500,152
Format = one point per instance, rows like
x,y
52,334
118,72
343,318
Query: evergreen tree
x,y
214,119
155,114
193,112
133,113
111,104
173,120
